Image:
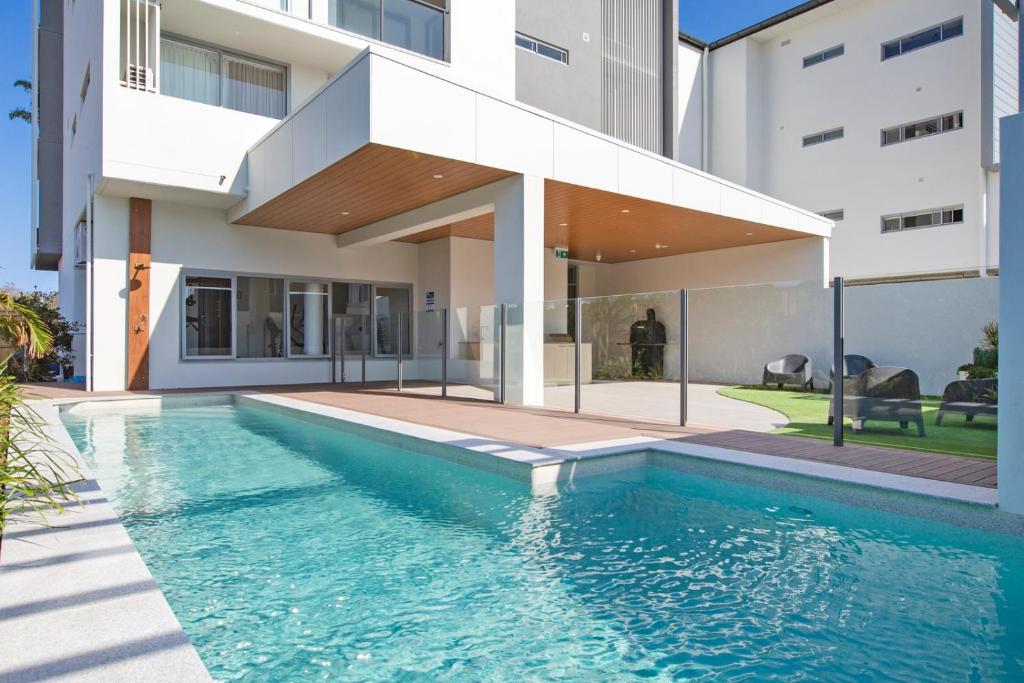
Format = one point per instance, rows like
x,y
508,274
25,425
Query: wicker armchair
x,y
882,394
969,397
792,369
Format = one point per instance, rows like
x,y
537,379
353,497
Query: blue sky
x,y
707,19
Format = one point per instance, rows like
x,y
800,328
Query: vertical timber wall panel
x,y
140,231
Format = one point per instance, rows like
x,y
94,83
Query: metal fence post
x,y
398,347
837,361
501,350
444,353
363,336
578,318
684,365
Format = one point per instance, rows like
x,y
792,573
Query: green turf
x,y
808,416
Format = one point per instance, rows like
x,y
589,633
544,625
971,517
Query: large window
x,y
923,219
211,76
919,129
228,316
259,317
417,25
929,36
307,315
207,317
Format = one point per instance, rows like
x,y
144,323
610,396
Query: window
x,y
307,319
825,136
210,76
391,311
207,317
824,55
932,126
836,215
543,49
929,36
259,317
923,219
417,25
352,301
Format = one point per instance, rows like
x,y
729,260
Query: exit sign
x,y
561,252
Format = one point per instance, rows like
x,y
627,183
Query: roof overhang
x,y
384,139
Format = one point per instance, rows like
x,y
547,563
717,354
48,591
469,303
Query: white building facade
x,y
219,180
883,116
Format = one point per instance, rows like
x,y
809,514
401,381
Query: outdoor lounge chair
x,y
853,365
969,397
791,369
882,394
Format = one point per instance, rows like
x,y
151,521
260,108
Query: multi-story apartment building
x,y
219,182
883,116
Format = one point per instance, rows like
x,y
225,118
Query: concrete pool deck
x,y
78,603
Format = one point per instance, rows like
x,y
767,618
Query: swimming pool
x,y
291,551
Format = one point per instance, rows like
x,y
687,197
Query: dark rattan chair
x,y
791,369
882,394
969,397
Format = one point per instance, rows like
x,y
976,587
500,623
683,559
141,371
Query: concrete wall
x,y
690,79
571,90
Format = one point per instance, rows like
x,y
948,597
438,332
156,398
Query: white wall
x,y
690,86
794,260
764,101
198,238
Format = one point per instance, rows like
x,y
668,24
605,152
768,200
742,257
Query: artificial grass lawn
x,y
808,416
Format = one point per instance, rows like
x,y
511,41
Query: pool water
x,y
291,551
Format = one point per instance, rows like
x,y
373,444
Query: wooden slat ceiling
x,y
372,183
592,222
376,182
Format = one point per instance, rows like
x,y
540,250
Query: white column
x,y
519,281
313,320
1011,315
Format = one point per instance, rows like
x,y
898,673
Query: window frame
x,y
537,43
941,118
941,26
284,314
810,141
835,215
221,72
288,280
379,38
823,56
953,208
183,296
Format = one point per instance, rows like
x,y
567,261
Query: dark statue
x,y
647,343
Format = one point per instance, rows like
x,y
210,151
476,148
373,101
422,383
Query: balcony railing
x,y
416,25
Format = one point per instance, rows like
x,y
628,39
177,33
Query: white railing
x,y
140,42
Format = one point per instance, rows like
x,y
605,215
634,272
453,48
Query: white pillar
x,y
519,282
1011,315
313,320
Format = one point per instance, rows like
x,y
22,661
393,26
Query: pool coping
x,y
77,601
128,630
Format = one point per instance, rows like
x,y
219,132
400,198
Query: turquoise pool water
x,y
295,552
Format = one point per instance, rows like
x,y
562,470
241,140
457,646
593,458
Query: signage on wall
x,y
431,300
562,252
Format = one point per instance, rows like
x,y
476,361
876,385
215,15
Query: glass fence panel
x,y
474,352
630,356
429,335
759,357
351,347
559,354
922,365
